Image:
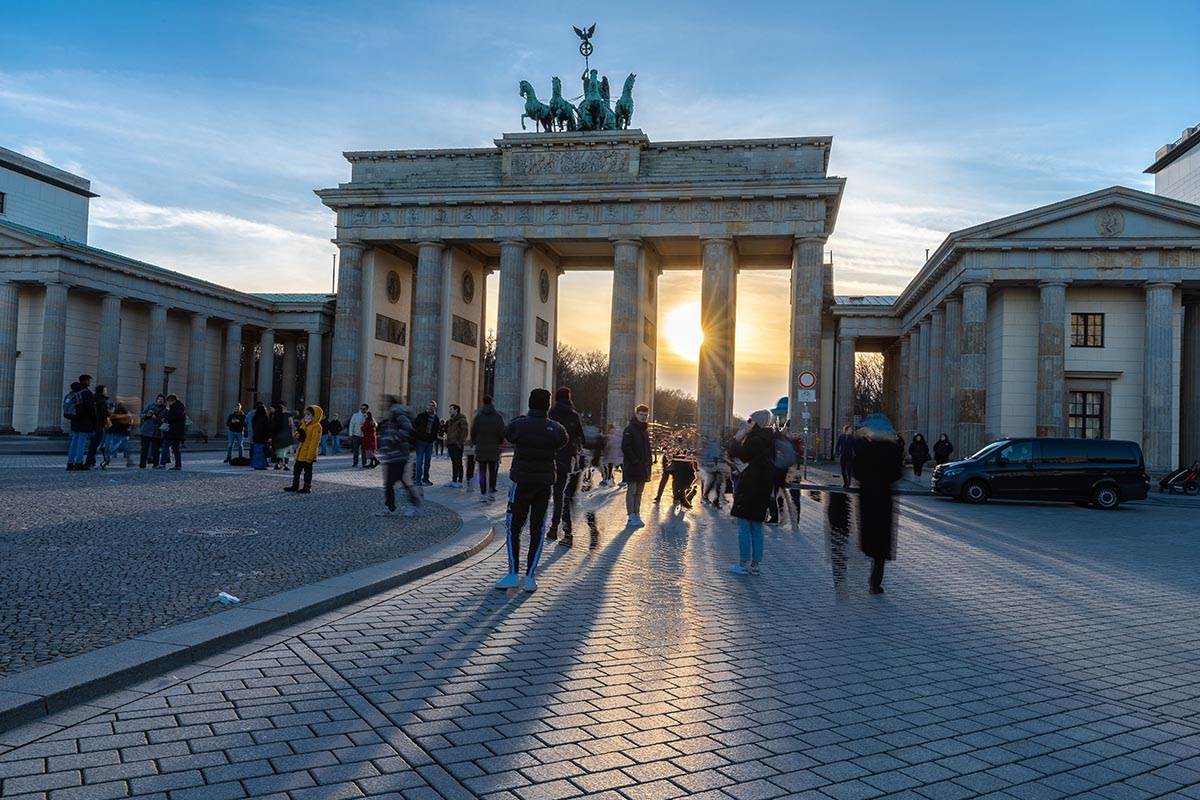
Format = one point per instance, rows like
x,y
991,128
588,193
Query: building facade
x,y
1176,167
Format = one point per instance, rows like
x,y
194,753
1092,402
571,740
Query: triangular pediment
x,y
18,236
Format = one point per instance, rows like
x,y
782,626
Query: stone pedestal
x,y
347,354
8,353
1051,380
428,325
972,394
718,318
807,293
1157,379
50,376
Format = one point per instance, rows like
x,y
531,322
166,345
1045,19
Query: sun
x,y
683,332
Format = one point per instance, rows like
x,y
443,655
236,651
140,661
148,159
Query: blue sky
x,y
205,127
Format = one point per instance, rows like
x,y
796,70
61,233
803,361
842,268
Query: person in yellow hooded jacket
x,y
308,434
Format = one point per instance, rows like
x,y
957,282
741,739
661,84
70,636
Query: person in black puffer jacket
x,y
754,444
636,459
536,440
566,481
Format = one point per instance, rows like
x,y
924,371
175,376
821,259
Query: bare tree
x,y
674,407
586,374
489,364
868,383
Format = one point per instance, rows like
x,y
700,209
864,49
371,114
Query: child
x,y
308,434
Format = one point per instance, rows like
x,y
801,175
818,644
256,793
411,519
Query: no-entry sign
x,y
807,379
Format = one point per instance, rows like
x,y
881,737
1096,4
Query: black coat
x,y
281,429
942,449
236,422
261,424
426,426
876,467
536,440
84,420
563,412
636,458
176,418
918,451
487,433
757,482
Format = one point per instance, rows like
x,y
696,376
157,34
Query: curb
x,y
36,693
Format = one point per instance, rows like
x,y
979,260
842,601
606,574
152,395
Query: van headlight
x,y
950,473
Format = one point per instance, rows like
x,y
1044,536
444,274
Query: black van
x,y
1102,472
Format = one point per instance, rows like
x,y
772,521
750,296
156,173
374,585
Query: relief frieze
x,y
570,162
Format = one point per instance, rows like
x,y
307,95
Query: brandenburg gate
x,y
419,231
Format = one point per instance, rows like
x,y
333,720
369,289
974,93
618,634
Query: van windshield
x,y
988,449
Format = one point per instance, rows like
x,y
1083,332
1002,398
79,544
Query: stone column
x,y
156,352
807,295
625,332
291,366
8,353
914,383
972,393
266,366
312,369
231,369
510,329
54,348
933,395
108,367
345,360
903,385
923,382
1051,380
1158,384
428,325
197,372
1189,438
718,316
845,382
951,353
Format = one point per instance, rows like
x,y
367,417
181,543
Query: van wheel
x,y
975,492
1191,488
1106,497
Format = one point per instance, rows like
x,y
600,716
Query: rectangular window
x,y
1085,415
1087,330
1,202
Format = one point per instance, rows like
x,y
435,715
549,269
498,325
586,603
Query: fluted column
x,y
951,353
718,319
428,324
9,300
845,382
625,331
933,393
1158,384
156,352
1051,379
914,382
312,369
1189,438
288,378
108,368
266,366
510,329
807,295
54,346
231,369
972,393
198,372
923,381
346,356
903,384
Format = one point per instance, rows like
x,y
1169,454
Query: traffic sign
x,y
807,379
806,396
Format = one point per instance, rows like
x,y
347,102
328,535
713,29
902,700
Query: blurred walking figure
x,y
844,450
370,441
116,438
487,434
942,449
838,516
395,451
753,444
918,451
635,463
281,434
612,454
877,465
536,440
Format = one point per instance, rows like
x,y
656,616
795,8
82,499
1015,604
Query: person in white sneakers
x,y
636,459
395,449
457,432
536,440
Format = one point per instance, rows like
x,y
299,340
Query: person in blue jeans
x,y
329,438
79,406
235,433
753,444
425,428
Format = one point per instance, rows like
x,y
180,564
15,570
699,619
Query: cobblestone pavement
x,y
1021,651
90,559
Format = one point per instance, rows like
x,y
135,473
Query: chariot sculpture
x,y
595,110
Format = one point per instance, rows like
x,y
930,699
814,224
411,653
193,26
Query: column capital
x,y
199,315
438,243
849,338
1160,285
1051,283
513,241
634,241
981,282
717,237
814,238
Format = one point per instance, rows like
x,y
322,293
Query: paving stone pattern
x,y
1021,651
89,559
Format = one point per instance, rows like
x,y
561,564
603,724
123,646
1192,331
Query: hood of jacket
x,y
318,413
487,408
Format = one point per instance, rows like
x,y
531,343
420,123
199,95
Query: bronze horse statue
x,y
624,112
535,110
562,113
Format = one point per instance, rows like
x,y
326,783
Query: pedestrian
x,y
79,406
235,433
439,444
370,441
942,449
395,449
683,475
329,441
918,451
487,434
116,437
308,434
844,451
665,475
174,428
635,463
469,453
260,439
536,440
281,434
102,411
900,447
150,432
877,466
612,454
457,431
355,431
566,465
838,517
754,445
426,427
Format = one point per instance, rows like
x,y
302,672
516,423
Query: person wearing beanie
x,y
753,444
566,468
636,461
536,440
